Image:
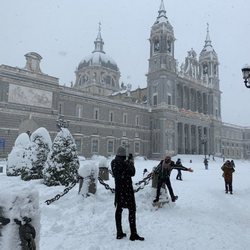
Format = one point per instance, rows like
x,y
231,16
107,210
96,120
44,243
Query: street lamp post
x,y
246,75
61,123
204,142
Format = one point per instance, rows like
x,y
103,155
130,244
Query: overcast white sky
x,y
63,32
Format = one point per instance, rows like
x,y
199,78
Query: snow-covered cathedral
x,y
179,112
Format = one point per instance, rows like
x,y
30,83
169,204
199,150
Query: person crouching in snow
x,y
164,169
228,170
123,170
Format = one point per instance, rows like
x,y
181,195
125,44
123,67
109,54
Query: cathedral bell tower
x,y
162,63
161,85
162,43
209,64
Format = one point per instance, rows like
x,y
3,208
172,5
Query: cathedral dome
x,y
98,58
98,73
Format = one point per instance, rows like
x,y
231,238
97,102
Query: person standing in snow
x,y
164,169
228,170
123,170
206,163
179,175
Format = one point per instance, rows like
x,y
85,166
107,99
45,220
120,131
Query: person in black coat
x,y
164,169
179,175
206,163
123,170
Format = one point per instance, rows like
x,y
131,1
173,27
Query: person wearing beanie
x,y
121,151
123,169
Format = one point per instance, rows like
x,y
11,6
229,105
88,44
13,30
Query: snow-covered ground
x,y
203,217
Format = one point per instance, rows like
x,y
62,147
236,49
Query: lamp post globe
x,y
246,75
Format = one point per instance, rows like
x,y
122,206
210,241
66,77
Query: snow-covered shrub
x,y
39,150
20,156
62,163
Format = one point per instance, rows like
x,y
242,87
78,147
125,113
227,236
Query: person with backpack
x,y
163,170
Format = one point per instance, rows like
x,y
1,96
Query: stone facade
x,y
178,112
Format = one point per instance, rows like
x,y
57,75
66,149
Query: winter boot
x,y
174,198
135,236
120,235
4,221
156,200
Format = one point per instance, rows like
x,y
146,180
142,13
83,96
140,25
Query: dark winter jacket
x,y
164,169
205,161
228,170
123,170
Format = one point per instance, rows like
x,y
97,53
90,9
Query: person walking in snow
x,y
206,163
164,169
228,170
123,170
179,175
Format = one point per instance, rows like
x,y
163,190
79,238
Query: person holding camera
x,y
163,170
123,169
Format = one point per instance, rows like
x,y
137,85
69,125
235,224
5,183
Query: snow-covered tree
x,y
19,157
38,153
62,163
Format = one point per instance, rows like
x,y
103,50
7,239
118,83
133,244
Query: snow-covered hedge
x,y
40,147
20,156
29,155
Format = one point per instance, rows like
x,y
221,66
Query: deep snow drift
x,y
203,217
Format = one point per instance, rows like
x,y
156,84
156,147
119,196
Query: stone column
x,y
196,101
197,139
189,139
183,138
